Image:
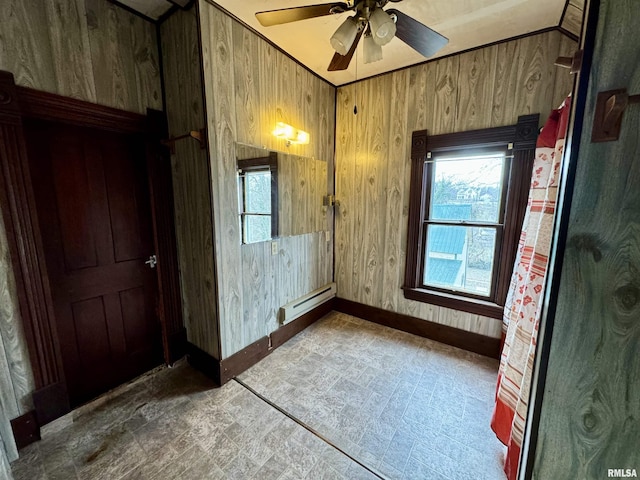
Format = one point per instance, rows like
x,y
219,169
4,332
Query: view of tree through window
x,y
464,222
255,205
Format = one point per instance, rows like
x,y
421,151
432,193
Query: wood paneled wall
x,y
5,468
16,379
484,88
572,19
249,86
590,417
86,49
182,70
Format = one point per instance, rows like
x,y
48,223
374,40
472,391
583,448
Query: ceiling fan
x,y
377,25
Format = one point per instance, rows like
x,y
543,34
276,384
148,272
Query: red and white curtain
x,y
524,301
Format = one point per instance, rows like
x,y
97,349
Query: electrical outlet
x,y
327,235
274,248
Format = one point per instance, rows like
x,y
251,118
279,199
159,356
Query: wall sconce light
x,y
290,134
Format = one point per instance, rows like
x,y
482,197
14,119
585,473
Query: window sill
x,y
455,302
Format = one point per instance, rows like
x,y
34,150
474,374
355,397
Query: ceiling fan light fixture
x,y
382,26
342,40
372,51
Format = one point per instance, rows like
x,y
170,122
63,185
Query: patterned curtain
x,y
524,300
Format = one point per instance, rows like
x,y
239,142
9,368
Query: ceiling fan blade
x,y
287,15
418,36
341,62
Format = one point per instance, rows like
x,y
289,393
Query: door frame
x,y
17,203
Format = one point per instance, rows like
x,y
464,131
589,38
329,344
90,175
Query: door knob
x,y
152,261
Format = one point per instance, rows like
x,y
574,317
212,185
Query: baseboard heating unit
x,y
302,305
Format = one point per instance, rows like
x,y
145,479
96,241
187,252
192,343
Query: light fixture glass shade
x,y
382,25
342,40
372,51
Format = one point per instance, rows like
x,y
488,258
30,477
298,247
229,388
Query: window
x,y
258,198
468,197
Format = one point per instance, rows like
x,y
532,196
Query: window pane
x,y
460,258
467,188
257,228
258,192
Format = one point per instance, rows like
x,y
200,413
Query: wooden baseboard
x,y
25,429
291,329
201,360
221,371
177,345
51,402
472,342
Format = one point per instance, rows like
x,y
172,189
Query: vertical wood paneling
x,y
572,19
70,48
217,50
190,170
16,378
590,416
249,86
25,49
115,76
5,468
377,117
245,52
86,49
535,80
345,150
146,68
394,213
445,96
479,89
475,83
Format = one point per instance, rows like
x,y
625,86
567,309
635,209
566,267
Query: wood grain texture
x,y
217,51
572,19
16,378
590,416
70,48
249,86
479,89
85,49
5,468
191,180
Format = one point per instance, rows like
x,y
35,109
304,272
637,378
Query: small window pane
x,y
467,188
257,228
460,258
258,192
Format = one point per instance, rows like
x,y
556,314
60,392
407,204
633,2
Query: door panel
x,y
93,206
72,195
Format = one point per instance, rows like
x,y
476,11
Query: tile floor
x,y
403,406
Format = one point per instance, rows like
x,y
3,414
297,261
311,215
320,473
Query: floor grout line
x,y
309,429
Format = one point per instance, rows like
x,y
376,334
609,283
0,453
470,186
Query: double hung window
x,y
468,197
258,198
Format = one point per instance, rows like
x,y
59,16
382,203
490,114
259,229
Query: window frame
x,y
522,138
269,163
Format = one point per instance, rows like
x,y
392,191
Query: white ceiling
x,y
467,24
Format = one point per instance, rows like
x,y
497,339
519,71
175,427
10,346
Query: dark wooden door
x,y
92,196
